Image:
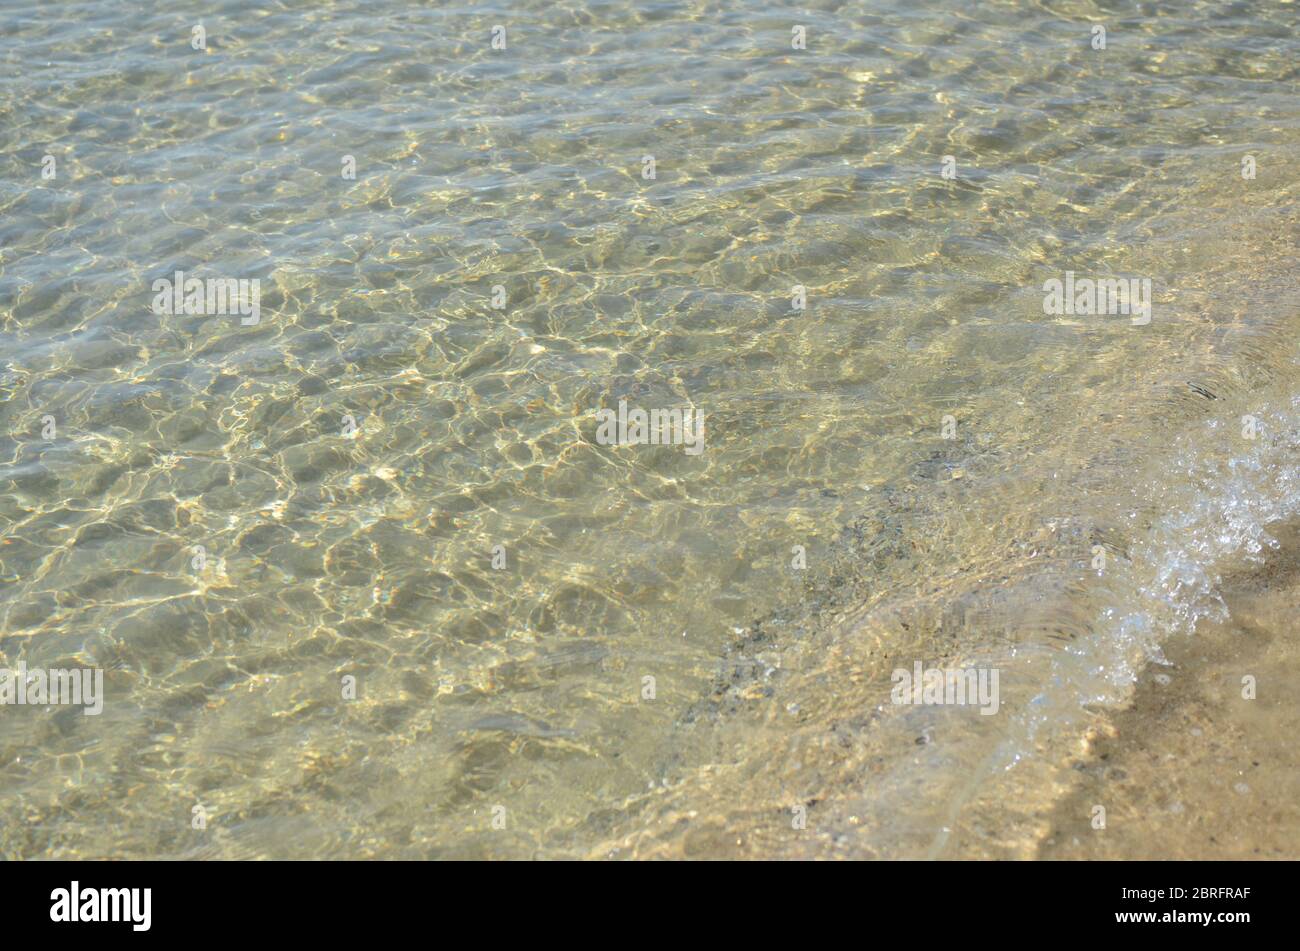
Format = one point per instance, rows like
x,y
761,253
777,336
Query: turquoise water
x,y
278,538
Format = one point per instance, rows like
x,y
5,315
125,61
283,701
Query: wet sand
x,y
1191,769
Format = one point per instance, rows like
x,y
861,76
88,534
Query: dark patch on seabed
x,y
867,556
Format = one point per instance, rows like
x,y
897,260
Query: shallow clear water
x,y
518,693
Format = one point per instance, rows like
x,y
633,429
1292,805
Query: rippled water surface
x,y
232,519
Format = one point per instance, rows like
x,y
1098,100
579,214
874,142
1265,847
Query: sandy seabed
x,y
1191,769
